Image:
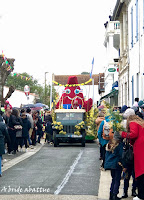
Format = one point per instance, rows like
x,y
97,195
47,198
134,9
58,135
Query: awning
x,y
112,93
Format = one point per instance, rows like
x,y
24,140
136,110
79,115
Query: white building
x,y
136,49
112,42
18,97
121,14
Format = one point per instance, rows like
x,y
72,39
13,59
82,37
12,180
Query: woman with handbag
x,y
15,125
135,130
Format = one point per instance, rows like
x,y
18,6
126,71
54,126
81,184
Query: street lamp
x,y
45,85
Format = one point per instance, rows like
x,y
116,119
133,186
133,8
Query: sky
x,y
55,36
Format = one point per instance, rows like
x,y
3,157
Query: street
x,y
65,170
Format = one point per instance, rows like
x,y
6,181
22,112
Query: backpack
x,y
128,155
108,132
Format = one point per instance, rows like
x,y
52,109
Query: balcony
x,y
113,28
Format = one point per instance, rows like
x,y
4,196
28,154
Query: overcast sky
x,y
56,36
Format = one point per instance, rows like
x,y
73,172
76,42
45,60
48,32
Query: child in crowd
x,y
113,162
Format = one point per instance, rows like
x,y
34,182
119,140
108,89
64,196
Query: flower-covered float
x,y
74,119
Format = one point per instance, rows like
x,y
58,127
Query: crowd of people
x,y
23,128
122,152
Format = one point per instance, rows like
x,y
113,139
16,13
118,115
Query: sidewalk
x,y
11,160
104,186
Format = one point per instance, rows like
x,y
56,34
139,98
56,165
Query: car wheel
x,y
55,140
83,139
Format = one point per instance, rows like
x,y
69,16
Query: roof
x,y
117,10
63,79
70,110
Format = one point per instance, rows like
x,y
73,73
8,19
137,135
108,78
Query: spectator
x,y
140,103
129,169
102,141
99,119
22,111
114,150
6,117
14,120
135,129
25,130
124,108
30,118
136,100
142,112
137,112
3,134
7,105
39,125
48,129
34,132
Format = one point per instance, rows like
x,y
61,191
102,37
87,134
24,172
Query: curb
x,y
14,161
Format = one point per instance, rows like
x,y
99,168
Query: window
x,y
136,20
132,90
132,27
143,14
126,93
137,84
122,94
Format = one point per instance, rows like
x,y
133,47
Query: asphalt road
x,y
65,170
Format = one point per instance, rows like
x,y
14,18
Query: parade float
x,y
74,117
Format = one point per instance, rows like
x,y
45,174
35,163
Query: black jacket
x,y
26,127
13,120
3,134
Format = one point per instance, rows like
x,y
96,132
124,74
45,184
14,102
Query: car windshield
x,y
69,116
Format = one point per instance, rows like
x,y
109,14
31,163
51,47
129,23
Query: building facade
x,y
121,14
136,49
111,43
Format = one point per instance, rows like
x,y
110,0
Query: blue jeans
x,y
116,177
29,140
0,164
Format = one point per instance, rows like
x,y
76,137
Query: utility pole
x,y
45,86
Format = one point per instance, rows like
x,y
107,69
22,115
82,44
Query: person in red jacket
x,y
135,130
7,105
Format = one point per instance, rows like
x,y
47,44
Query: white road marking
x,y
65,180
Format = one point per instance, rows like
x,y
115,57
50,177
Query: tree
x,y
19,82
4,73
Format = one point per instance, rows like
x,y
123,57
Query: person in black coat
x,y
6,117
48,129
39,125
3,134
14,120
25,130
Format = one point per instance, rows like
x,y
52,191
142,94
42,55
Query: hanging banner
x,y
72,85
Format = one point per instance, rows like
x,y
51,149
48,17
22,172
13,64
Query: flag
x,y
92,68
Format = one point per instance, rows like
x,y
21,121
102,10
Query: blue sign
x,y
115,84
